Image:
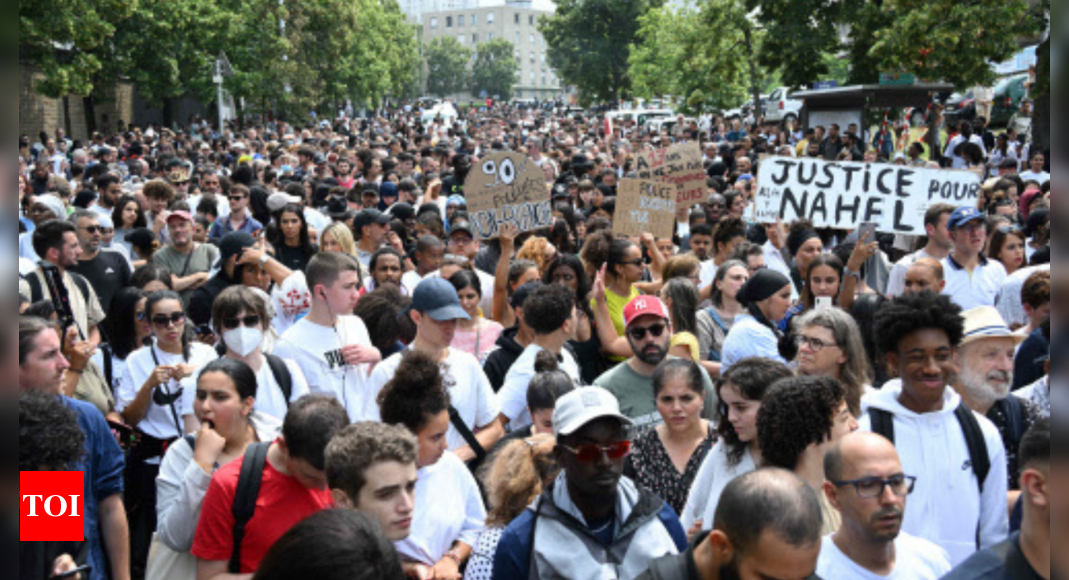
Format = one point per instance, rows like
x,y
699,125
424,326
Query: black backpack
x,y
282,376
883,423
248,491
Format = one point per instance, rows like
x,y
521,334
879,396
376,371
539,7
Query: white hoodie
x,y
946,505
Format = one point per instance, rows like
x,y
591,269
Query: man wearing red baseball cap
x,y
649,332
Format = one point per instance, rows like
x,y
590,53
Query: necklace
x,y
604,528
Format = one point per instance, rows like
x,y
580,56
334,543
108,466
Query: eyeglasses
x,y
1009,230
248,322
815,344
591,452
166,321
872,487
237,198
973,228
639,263
656,331
92,230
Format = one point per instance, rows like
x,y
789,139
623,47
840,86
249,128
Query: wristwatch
x,y
264,260
852,274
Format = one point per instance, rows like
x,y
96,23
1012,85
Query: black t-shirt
x,y
1005,561
108,273
294,258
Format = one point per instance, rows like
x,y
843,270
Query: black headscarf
x,y
763,285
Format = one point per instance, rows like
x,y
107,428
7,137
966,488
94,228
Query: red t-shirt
x,y
282,504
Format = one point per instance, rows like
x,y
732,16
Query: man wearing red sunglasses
x,y
591,522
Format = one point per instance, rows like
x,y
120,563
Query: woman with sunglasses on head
x,y
443,532
666,459
225,407
156,399
1008,246
241,320
740,392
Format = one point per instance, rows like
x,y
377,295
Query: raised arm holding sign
x,y
507,188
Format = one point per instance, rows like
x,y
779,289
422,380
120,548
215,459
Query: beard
x,y
987,389
652,355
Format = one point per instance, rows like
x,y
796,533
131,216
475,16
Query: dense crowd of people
x,y
283,351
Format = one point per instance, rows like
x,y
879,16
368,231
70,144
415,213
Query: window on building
x,y
460,21
517,39
475,39
517,18
474,19
530,20
448,21
462,39
544,80
532,77
533,57
434,23
532,40
490,18
490,36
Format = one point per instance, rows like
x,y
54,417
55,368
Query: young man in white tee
x,y
435,311
332,346
867,486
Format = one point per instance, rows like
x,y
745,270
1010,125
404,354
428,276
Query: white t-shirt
x,y
269,397
897,285
469,392
513,394
159,421
915,559
317,351
974,289
1040,178
707,275
449,509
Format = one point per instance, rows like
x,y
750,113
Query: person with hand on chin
x,y
225,408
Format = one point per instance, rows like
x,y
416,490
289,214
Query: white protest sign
x,y
843,195
507,188
679,165
645,206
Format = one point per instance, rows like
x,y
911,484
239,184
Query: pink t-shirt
x,y
478,343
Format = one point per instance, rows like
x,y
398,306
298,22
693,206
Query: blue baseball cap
x,y
437,298
964,215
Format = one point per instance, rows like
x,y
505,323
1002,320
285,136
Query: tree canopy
x,y
494,70
447,66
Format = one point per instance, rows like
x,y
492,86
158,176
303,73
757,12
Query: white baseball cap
x,y
582,407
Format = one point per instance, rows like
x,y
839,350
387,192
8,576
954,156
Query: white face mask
x,y
243,341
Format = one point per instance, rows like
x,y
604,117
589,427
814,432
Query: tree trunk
x,y
90,117
755,88
1041,112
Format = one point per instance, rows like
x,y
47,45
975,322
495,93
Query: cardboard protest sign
x,y
843,195
507,188
679,165
645,206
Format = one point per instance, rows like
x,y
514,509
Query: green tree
x,y
67,40
590,43
447,66
951,40
494,70
697,52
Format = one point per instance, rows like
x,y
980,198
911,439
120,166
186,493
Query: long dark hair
x,y
278,239
582,292
752,378
162,296
238,372
122,321
830,260
116,214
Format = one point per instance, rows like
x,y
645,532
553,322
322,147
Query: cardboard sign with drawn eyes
x,y
506,188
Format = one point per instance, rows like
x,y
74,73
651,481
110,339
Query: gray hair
x,y
857,372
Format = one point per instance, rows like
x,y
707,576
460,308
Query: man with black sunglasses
x,y
107,272
867,486
649,333
240,219
592,522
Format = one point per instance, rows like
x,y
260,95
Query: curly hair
x,y
536,250
381,312
548,309
604,249
795,414
726,231
415,394
582,282
49,436
516,475
751,377
1036,290
910,313
359,447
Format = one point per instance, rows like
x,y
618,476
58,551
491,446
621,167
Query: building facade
x,y
515,21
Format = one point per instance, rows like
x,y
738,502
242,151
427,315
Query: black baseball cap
x,y
232,245
369,217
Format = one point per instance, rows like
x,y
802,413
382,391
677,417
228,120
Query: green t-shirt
x,y
635,395
202,259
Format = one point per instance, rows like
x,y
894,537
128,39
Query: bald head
x,y
769,500
842,460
